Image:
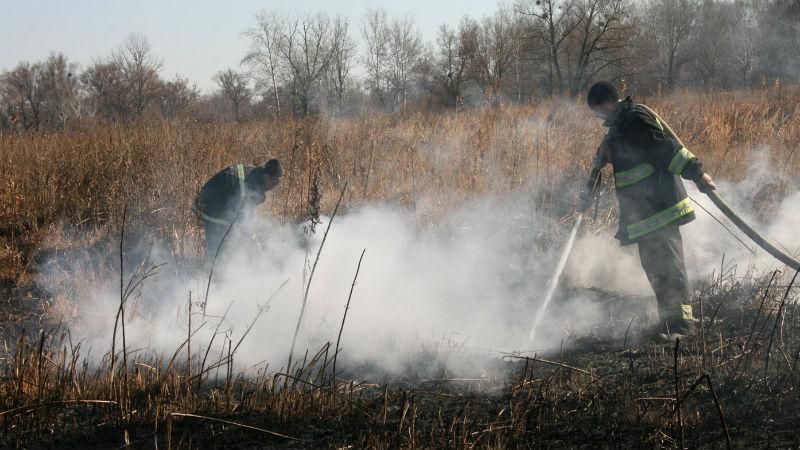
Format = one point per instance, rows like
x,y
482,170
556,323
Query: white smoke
x,y
474,279
761,202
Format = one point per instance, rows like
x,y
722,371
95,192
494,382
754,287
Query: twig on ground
x,y
552,363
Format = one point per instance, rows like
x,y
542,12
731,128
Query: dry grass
x,y
429,163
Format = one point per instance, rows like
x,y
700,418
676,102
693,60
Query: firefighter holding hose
x,y
648,163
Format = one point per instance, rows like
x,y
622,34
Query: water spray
x,y
551,288
562,261
760,240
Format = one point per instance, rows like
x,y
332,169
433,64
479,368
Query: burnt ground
x,y
23,310
734,385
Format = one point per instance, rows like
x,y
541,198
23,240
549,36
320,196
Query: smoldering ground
x,y
472,280
468,280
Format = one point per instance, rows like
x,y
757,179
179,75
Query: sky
x,y
194,39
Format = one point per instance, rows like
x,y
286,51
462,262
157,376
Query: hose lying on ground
x,y
730,214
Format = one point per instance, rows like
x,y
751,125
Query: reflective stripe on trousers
x,y
684,312
661,255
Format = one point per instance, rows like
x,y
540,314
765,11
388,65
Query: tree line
x,y
312,63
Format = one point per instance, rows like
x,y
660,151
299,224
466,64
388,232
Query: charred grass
x,y
735,385
64,194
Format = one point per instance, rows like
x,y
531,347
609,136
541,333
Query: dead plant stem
x,y
311,277
344,317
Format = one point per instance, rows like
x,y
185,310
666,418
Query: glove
x,y
705,184
587,194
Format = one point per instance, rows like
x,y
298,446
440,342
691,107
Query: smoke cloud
x,y
474,279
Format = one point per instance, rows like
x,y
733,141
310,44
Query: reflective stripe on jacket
x,y
648,166
221,198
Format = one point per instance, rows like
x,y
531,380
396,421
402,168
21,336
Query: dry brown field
x,y
425,161
65,192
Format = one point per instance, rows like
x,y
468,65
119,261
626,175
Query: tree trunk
x,y
275,91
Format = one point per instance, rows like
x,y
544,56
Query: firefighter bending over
x,y
234,191
648,165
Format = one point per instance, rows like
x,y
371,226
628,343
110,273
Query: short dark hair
x,y
273,167
602,92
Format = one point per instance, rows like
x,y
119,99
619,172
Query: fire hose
x,y
760,240
715,198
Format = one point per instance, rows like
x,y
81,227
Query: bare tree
x,y
264,57
517,48
234,85
551,23
42,94
309,46
177,96
404,49
23,88
107,93
598,40
61,90
7,114
582,38
489,46
337,77
711,42
668,23
375,33
469,31
780,40
138,71
745,37
445,70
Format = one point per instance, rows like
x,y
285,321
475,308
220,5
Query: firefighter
x,y
231,193
648,164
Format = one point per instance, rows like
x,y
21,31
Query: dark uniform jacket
x,y
223,196
648,165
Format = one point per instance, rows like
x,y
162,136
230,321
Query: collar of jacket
x,y
623,105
